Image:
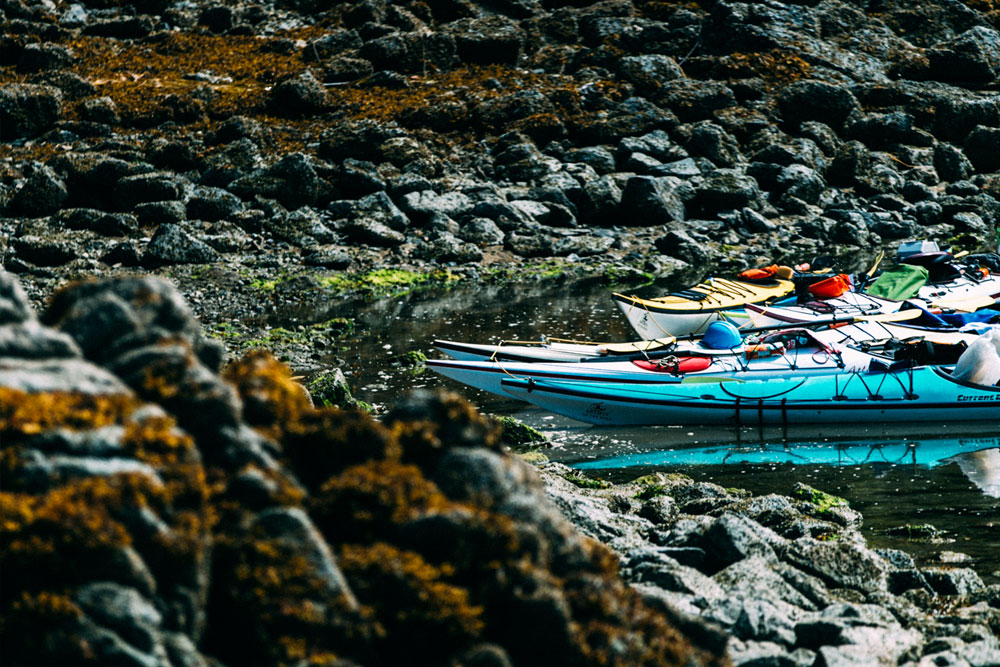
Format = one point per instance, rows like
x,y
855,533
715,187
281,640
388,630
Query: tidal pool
x,y
947,475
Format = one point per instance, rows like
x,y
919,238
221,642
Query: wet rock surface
x,y
781,597
314,144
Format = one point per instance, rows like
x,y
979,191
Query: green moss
x,y
823,501
388,282
534,457
650,491
588,482
519,436
239,338
413,358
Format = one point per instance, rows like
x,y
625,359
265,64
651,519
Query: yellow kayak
x,y
690,311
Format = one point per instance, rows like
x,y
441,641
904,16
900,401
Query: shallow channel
x,y
947,475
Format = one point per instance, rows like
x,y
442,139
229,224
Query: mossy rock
x,y
413,359
823,501
519,436
331,390
534,457
587,482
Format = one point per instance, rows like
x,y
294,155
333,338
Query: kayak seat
x,y
674,365
819,307
690,295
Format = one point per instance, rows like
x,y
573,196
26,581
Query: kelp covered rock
x,y
155,512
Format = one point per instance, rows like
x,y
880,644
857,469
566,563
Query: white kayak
x,y
833,331
785,352
690,311
922,394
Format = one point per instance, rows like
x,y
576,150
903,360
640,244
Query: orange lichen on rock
x,y
776,66
366,502
139,75
318,443
272,400
414,607
30,413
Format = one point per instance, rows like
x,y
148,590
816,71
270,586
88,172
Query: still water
x,y
948,476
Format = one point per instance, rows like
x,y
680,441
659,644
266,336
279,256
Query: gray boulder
x,y
301,95
982,147
27,110
173,244
42,193
839,563
973,56
420,206
648,201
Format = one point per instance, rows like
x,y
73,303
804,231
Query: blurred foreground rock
x,y
156,512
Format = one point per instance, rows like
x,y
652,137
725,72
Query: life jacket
x,y
759,274
831,287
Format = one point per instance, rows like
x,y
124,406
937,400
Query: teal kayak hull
x,y
923,394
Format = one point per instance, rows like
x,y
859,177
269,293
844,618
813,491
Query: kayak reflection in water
x,y
977,455
983,469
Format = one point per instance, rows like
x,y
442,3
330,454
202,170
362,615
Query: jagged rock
x,y
301,95
950,163
695,100
40,57
42,251
973,55
732,538
151,214
331,43
529,245
816,101
488,40
410,53
211,204
727,189
982,146
99,110
126,27
482,231
648,72
956,116
583,246
839,563
43,193
758,577
420,206
172,244
953,581
597,157
329,258
710,141
149,187
681,245
650,201
376,207
656,144
27,110
373,233
292,180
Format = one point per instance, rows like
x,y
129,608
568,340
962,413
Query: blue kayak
x,y
921,394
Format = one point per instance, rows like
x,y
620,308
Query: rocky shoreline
x,y
789,580
266,154
159,512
